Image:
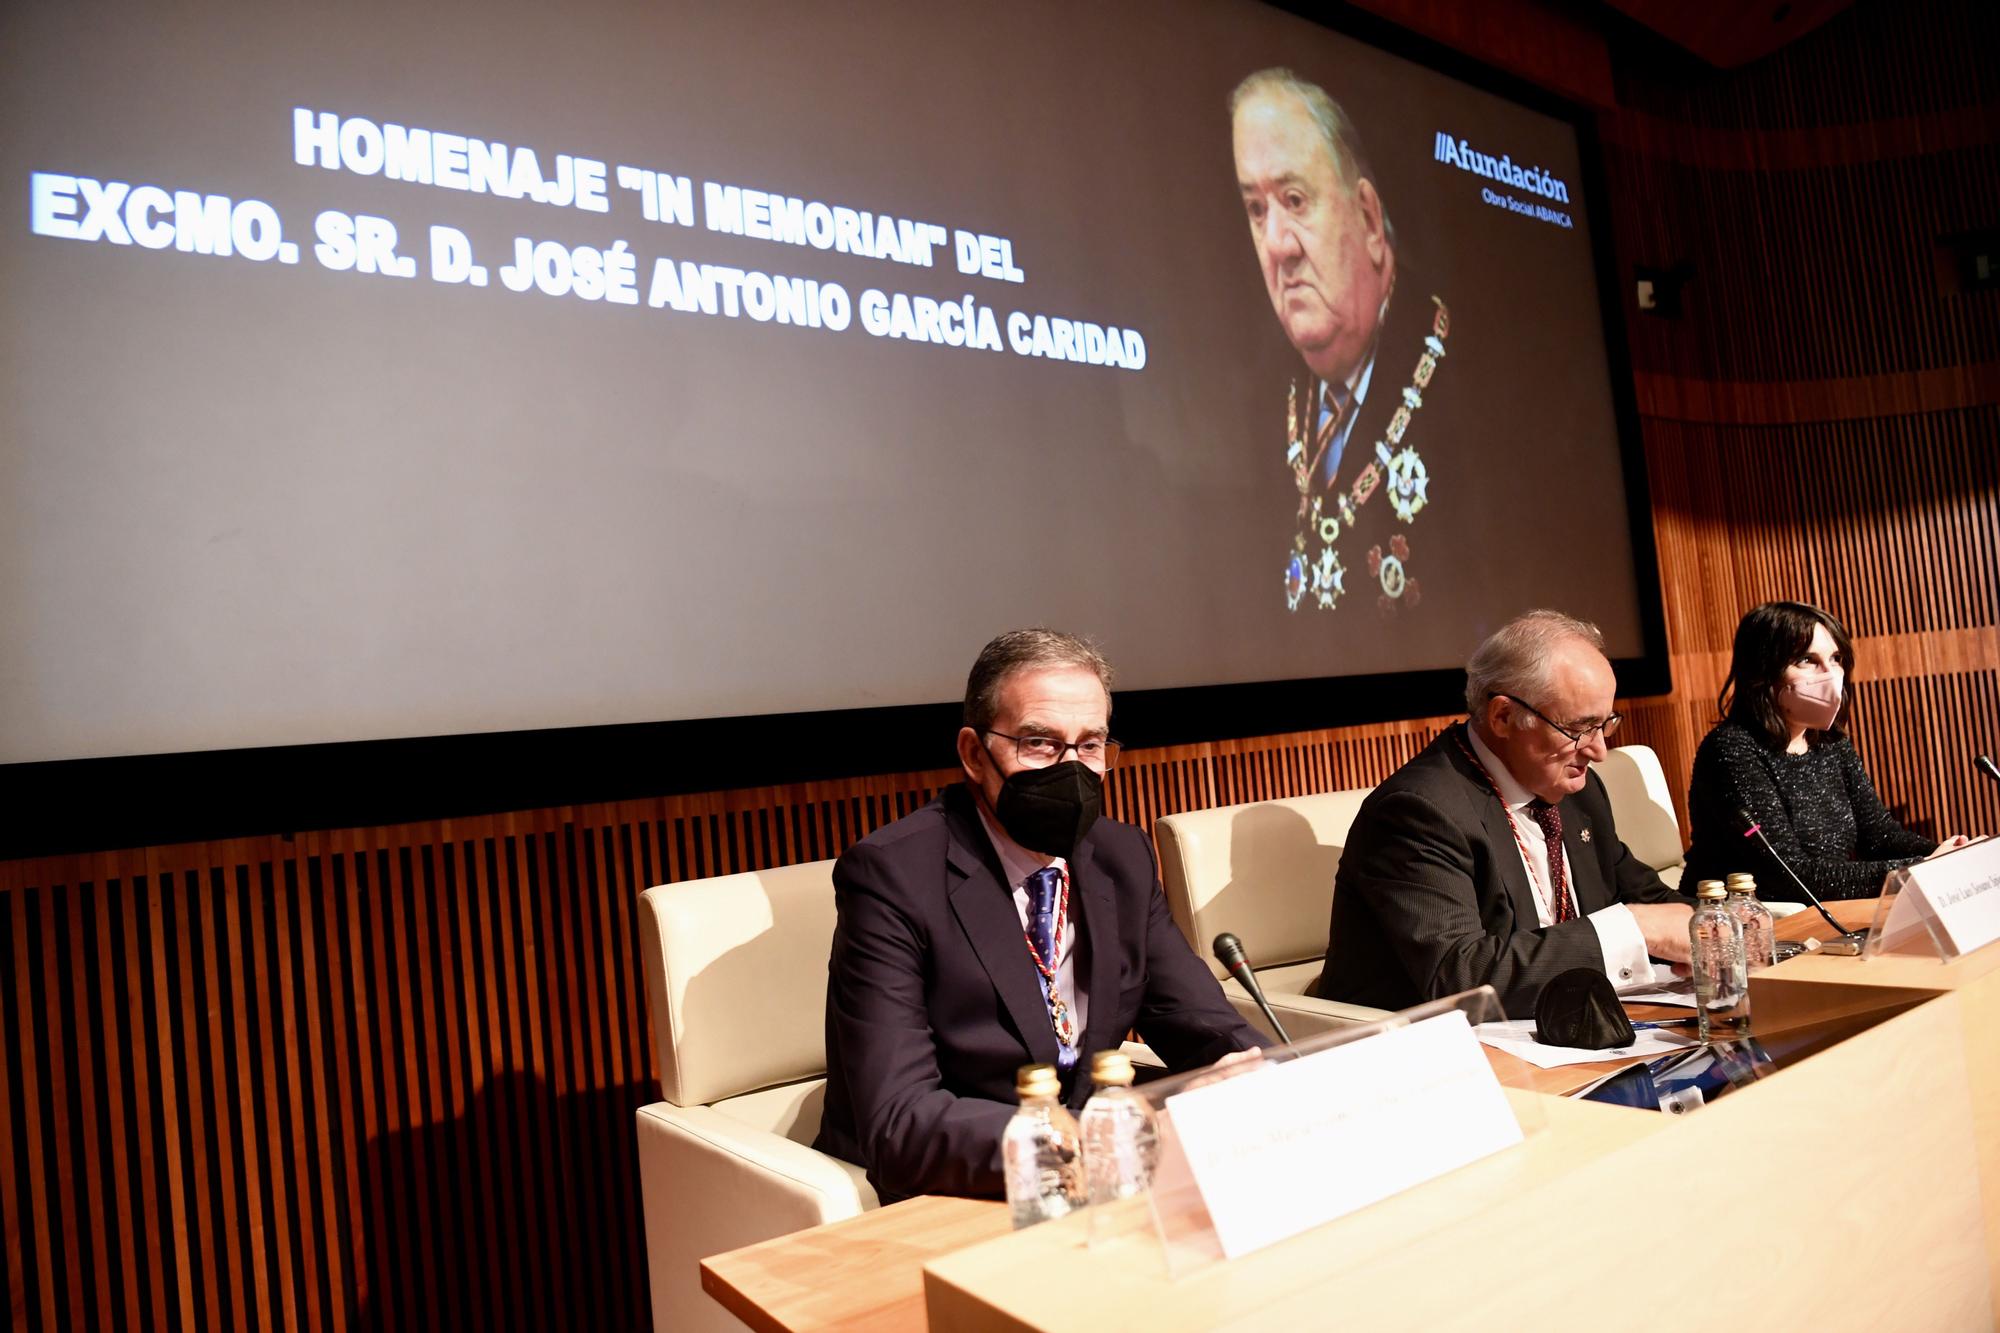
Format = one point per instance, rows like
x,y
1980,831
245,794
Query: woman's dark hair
x,y
1769,639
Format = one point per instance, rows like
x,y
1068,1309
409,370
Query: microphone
x,y
1985,764
1229,952
1849,941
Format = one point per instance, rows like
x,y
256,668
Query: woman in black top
x,y
1782,756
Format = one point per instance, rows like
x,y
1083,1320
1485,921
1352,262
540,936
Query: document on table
x,y
1516,1036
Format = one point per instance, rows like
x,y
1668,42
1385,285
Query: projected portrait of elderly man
x,y
1373,341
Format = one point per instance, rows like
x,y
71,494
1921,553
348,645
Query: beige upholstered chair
x,y
1644,809
1264,871
736,982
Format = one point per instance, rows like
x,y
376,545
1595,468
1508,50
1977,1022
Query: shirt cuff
x,y
1623,945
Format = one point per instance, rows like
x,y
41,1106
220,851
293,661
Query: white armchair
x,y
1264,871
736,986
1644,809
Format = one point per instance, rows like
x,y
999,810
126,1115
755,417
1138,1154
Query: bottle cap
x,y
1037,1081
1709,889
1742,882
1111,1069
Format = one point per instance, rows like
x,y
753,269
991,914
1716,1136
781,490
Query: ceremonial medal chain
x,y
1555,908
1060,1017
1400,471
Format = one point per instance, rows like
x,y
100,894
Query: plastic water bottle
x,y
1118,1139
1041,1151
1721,976
1760,930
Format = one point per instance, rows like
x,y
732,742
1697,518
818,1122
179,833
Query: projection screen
x,y
377,372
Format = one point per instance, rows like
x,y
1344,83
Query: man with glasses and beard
x,y
1491,858
1003,924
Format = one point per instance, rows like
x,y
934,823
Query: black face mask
x,y
1048,810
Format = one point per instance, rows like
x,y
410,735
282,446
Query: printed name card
x,y
1301,1143
1954,899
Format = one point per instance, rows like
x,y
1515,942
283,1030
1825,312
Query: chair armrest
x,y
766,1164
1303,1015
710,1184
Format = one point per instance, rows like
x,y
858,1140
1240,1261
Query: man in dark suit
x,y
1004,924
1373,341
1491,858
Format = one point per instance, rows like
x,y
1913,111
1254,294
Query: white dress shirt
x,y
1619,939
1018,864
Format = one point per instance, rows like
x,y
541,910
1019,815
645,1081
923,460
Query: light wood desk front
x,y
1832,1195
1816,987
1866,1139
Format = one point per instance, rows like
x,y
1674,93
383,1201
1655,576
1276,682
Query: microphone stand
x,y
1847,941
1229,952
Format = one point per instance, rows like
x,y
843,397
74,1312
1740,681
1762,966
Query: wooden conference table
x,y
1514,1072
1861,1150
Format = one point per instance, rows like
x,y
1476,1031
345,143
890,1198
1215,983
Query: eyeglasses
x,y
1098,752
1580,738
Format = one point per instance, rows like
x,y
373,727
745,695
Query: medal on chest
x,y
1062,1019
1315,573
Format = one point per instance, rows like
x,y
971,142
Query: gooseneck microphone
x,y
1850,941
1229,952
1985,764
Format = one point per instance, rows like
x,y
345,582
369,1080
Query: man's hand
x,y
1214,1074
1665,926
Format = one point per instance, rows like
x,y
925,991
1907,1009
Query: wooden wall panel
x,y
1824,421
384,1077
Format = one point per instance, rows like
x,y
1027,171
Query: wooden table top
x,y
1853,913
862,1273
1559,1082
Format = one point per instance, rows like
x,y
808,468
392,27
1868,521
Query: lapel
x,y
1507,856
984,907
1371,420
1398,346
1097,937
1586,886
1500,841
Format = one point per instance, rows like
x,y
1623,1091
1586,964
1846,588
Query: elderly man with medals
x,y
1374,344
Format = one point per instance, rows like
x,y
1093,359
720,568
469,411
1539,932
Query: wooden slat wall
x,y
385,1077
1824,421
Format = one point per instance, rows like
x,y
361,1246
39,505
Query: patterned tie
x,y
1042,888
1551,821
1334,399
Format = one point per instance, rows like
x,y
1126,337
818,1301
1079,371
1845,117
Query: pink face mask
x,y
1813,702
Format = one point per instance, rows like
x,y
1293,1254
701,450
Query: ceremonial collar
x,y
1512,794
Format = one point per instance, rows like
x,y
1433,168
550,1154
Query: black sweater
x,y
1819,810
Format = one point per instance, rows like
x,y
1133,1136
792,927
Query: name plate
x,y
1301,1143
1953,899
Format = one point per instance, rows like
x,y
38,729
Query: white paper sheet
x,y
1516,1036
